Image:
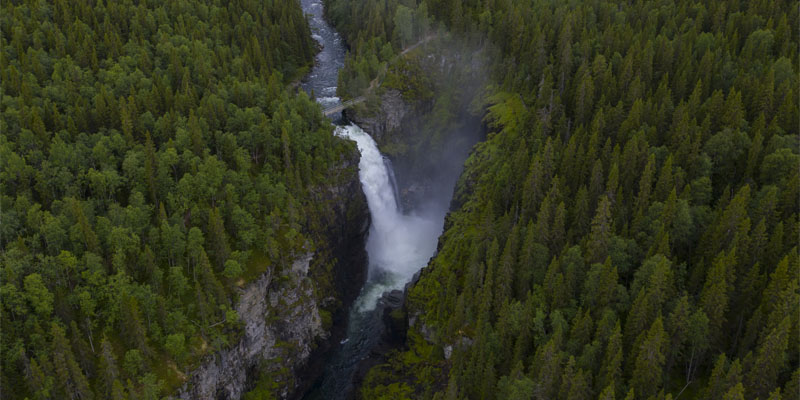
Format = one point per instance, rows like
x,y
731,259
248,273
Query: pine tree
x,y
558,233
573,383
677,327
150,168
714,298
118,391
608,393
647,375
132,324
39,381
733,221
643,196
107,368
546,368
81,349
70,377
769,360
597,246
735,393
580,215
611,367
218,238
505,275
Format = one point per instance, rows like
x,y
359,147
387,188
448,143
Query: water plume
x,y
398,244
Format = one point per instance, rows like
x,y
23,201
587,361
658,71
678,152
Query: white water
x,y
398,245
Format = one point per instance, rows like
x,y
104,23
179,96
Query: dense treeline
x,y
629,228
375,30
152,162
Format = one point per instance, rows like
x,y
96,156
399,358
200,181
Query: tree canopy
x,y
629,227
152,161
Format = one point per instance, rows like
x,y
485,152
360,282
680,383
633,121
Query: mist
x,y
399,244
437,136
408,194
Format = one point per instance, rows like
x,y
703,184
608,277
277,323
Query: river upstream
x,y
400,242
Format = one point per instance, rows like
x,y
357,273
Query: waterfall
x,y
398,245
393,181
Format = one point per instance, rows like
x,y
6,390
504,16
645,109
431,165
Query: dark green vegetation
x,y
629,228
401,49
152,162
369,28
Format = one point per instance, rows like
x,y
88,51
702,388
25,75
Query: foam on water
x,y
398,245
328,101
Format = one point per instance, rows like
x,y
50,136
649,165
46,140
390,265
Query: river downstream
x,y
400,242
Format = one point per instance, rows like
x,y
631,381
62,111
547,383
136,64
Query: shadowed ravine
x,y
398,246
399,243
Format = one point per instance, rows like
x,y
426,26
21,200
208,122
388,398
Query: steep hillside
x,y
629,227
155,169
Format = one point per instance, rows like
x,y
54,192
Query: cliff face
x,y
428,137
284,311
428,141
279,315
395,123
386,120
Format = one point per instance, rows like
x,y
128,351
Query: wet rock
x,y
394,318
383,120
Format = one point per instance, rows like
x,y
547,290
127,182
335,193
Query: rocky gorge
x,y
427,136
292,313
295,315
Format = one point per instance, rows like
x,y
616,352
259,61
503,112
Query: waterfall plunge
x,y
398,245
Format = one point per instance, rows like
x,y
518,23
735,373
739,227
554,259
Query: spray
x,y
398,244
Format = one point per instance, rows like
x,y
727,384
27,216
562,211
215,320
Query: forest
x,y
629,228
154,158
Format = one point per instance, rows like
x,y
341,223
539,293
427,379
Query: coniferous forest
x,y
153,160
628,229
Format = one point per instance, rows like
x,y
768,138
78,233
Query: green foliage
x,y
152,160
176,346
376,30
232,269
629,214
268,383
133,362
409,79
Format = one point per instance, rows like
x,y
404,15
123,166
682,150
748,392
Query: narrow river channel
x,y
400,242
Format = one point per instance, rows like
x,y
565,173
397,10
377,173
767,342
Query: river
x,y
322,80
400,242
